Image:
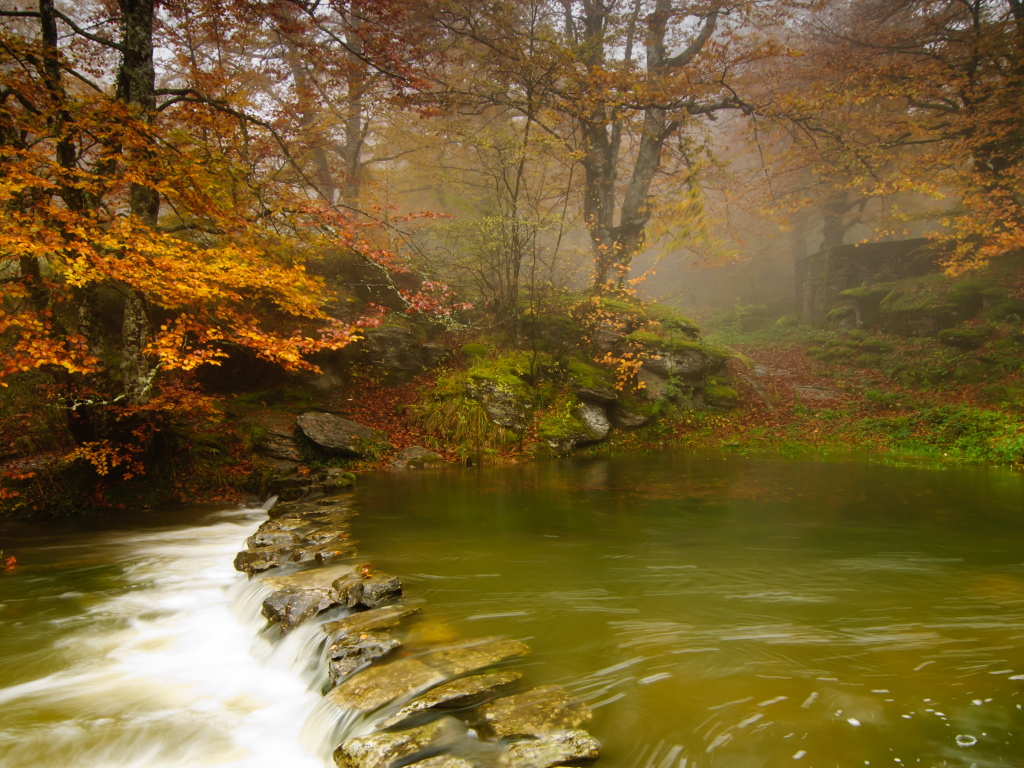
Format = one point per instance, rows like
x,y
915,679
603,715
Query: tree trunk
x,y
136,87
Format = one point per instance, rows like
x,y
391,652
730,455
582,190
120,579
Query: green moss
x,y
670,320
558,423
965,338
473,349
721,395
586,375
674,343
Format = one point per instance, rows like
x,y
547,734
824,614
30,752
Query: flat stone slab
x,y
270,538
538,712
475,655
384,750
293,606
557,749
458,693
376,686
340,435
444,761
257,561
368,621
308,578
416,457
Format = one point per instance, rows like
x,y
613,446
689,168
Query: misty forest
x,y
663,355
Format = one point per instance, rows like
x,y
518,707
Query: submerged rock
x,y
256,561
338,435
367,621
384,750
416,457
538,712
458,693
293,606
356,590
571,747
355,651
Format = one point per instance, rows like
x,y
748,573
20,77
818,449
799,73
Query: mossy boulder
x,y
965,338
720,395
867,301
475,350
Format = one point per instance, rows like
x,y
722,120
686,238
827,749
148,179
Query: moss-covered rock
x,y
720,395
474,350
965,338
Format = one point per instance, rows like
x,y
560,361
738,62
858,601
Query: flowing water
x,y
711,610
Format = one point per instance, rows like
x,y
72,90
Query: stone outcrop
x,y
625,419
276,443
258,560
358,591
594,417
339,435
394,354
368,621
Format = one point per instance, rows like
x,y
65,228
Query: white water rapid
x,y
169,669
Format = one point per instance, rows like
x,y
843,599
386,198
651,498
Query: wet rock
x,y
689,366
608,337
342,436
329,552
444,761
602,395
571,747
625,419
395,353
501,406
435,354
456,694
378,685
653,386
538,712
283,524
475,654
416,457
389,750
274,539
572,437
257,561
324,535
293,606
368,621
336,479
275,438
355,651
594,418
332,552
356,590
307,578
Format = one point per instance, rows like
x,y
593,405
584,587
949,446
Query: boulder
x,y
570,747
654,387
444,761
283,524
358,591
435,354
256,561
625,419
395,353
416,457
328,552
594,417
602,395
277,443
456,694
307,578
368,621
389,750
343,436
324,535
691,366
293,606
355,651
538,712
501,406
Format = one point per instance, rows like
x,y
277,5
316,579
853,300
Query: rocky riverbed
x,y
405,698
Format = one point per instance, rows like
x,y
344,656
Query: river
x,y
711,610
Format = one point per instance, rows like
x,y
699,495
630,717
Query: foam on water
x,y
167,671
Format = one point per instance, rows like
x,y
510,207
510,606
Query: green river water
x,y
712,610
